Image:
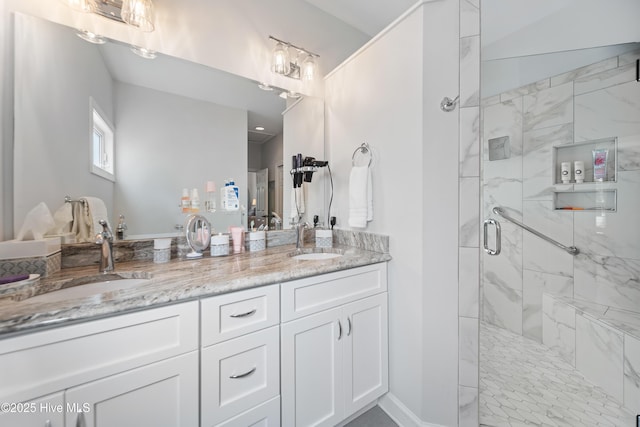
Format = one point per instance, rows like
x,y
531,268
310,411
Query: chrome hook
x,y
447,105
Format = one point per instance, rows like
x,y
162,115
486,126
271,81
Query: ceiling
x,y
370,17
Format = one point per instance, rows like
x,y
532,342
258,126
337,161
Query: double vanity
x,y
257,338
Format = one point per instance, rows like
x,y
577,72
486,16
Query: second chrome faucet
x,y
105,240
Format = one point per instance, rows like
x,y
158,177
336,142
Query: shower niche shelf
x,y
589,195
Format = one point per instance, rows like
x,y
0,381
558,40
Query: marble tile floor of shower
x,y
524,383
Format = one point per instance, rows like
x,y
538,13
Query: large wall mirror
x,y
177,125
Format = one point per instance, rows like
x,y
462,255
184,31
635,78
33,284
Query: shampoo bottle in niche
x,y
600,164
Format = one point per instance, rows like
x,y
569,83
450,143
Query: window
x,y
102,144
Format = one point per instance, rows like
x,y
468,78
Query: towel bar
x,y
365,150
67,199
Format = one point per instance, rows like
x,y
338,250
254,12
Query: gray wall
x,y
166,143
56,73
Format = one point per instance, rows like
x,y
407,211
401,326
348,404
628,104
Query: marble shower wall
x,y
597,101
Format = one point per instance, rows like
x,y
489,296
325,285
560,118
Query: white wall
x,y
254,157
272,157
6,131
56,74
166,143
415,187
304,133
530,28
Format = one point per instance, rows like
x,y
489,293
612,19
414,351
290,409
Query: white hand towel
x,y
360,197
297,201
94,211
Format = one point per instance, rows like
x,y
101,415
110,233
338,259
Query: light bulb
x,y
80,5
280,62
138,13
308,68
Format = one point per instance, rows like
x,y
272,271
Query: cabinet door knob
x,y
349,321
246,374
339,330
248,313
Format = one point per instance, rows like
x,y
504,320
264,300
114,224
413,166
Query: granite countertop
x,y
172,282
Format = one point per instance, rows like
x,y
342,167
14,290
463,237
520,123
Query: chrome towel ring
x,y
365,150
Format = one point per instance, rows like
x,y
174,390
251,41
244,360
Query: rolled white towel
x,y
360,197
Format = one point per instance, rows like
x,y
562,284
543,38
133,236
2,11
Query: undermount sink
x,y
316,254
94,285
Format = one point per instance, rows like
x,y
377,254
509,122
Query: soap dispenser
x,y
121,228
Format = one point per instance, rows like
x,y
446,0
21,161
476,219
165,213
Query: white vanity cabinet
x,y
40,412
124,370
334,345
240,358
164,393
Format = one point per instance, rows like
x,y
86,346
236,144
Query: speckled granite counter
x,y
176,281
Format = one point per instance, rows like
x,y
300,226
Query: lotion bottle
x,y
185,202
223,195
195,201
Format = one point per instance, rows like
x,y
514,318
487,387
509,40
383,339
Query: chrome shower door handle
x,y
496,225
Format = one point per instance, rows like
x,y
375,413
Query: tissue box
x,y
41,257
42,265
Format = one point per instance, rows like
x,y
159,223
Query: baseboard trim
x,y
400,414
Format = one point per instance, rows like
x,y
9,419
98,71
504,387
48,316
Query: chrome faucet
x,y
105,240
300,227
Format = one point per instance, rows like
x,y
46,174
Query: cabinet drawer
x,y
238,374
311,295
264,415
52,360
231,315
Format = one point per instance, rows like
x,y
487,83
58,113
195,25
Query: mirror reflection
x,y
178,128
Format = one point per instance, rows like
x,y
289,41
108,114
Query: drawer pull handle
x,y
339,330
248,313
246,374
349,320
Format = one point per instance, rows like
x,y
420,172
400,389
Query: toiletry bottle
x,y
195,201
185,202
121,228
233,201
235,188
210,203
223,195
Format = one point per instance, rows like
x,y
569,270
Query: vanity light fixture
x,y
80,5
291,65
138,13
